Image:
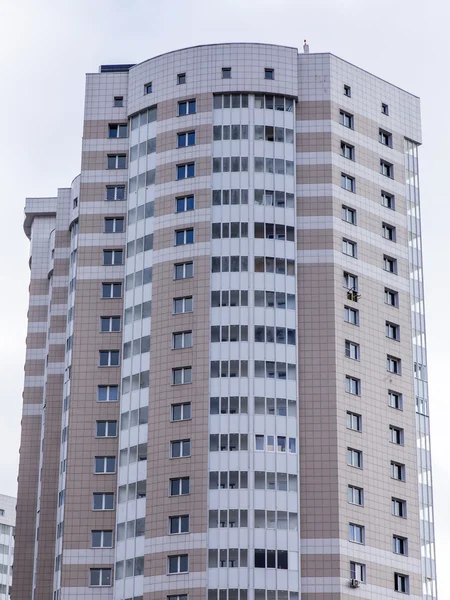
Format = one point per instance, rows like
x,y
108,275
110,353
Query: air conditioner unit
x,y
354,583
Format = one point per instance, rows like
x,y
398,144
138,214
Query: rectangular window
x,y
346,119
177,564
184,204
392,331
398,471
356,533
117,161
100,577
109,324
185,171
393,365
384,108
354,458
182,375
396,435
351,315
389,232
350,281
180,448
115,192
349,248
104,464
187,107
184,270
109,358
390,264
399,545
401,583
347,91
103,501
355,495
347,151
395,400
107,393
182,339
118,130
114,225
358,571
181,78
354,421
186,139
181,412
226,72
184,236
179,486
348,182
390,297
386,169
112,257
118,101
179,524
385,138
102,539
351,350
106,429
388,200
349,215
182,305
269,74
148,88
399,508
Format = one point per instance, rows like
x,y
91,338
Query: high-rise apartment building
x,y
7,523
226,375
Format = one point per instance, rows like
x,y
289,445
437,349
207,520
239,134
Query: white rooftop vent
x,y
305,47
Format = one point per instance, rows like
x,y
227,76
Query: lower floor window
x,y
100,577
178,564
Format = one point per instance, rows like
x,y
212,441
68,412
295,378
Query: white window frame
x,y
387,169
182,406
103,495
390,295
148,88
109,352
178,521
186,135
350,279
109,321
186,375
389,232
102,535
106,429
358,571
400,543
385,138
107,571
183,300
188,107
116,188
184,268
388,200
395,400
180,486
354,456
349,248
111,284
178,557
346,119
348,215
399,508
105,463
108,392
117,158
355,495
392,331
351,316
352,350
185,199
354,421
115,253
390,264
119,128
347,151
348,183
185,233
401,583
184,338
398,468
393,365
396,435
184,448
115,221
356,533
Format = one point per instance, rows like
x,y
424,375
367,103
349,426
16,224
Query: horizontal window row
x,y
226,197
269,264
139,346
229,557
142,180
142,244
231,368
282,482
142,149
274,102
275,370
278,335
278,519
273,165
273,231
358,574
355,459
130,529
229,230
137,416
274,134
225,480
144,117
227,164
144,211
241,594
227,518
229,333
132,491
138,312
274,198
261,298
230,132
226,264
138,381
138,278
229,298
128,456
230,101
131,567
272,443
228,442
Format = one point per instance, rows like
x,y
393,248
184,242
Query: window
x,y
100,577
186,139
148,88
187,107
398,471
390,297
389,232
109,358
112,257
109,324
118,131
179,524
103,501
226,72
106,429
355,495
350,281
346,119
181,78
178,597
273,231
226,264
269,74
179,486
177,564
181,412
101,539
384,108
349,248
184,204
396,435
235,229
349,215
182,305
271,559
186,171
348,183
354,458
392,331
354,421
387,169
393,365
399,508
358,571
104,464
356,533
183,339
117,161
347,151
180,448
395,400
390,264
385,138
114,224
182,375
184,270
118,101
347,91
115,192
184,236
351,315
351,350
401,583
388,200
399,545
107,393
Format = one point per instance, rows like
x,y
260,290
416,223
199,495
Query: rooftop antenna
x,y
305,47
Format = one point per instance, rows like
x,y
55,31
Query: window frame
x,y
178,519
118,128
181,78
226,72
269,73
184,337
186,135
354,419
349,248
100,570
102,532
179,558
346,212
352,350
346,119
188,104
356,531
387,200
148,88
348,183
347,90
360,493
347,150
182,411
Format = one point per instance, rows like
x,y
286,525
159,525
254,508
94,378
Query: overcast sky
x,y
47,46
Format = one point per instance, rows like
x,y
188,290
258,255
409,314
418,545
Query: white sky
x,y
47,46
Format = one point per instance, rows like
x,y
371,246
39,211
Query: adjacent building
x,y
226,376
7,525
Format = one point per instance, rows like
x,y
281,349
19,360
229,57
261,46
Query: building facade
x,y
226,377
7,525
